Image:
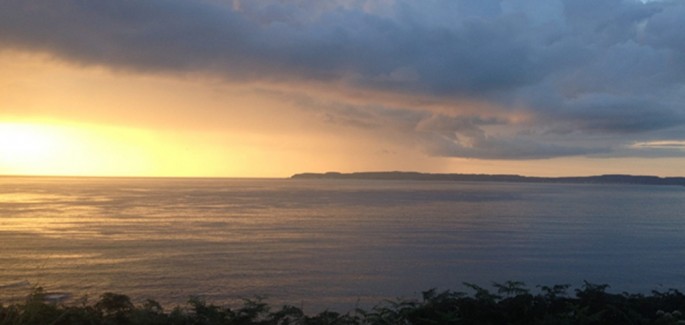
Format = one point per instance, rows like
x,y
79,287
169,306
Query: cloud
x,y
468,137
589,74
655,149
661,144
640,150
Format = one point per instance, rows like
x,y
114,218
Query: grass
x,y
506,303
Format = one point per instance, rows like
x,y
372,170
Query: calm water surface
x,y
328,243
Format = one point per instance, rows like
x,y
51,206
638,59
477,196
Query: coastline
x,y
417,176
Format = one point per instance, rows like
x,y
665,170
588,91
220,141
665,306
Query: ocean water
x,y
330,243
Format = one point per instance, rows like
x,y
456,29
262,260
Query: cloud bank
x,y
561,78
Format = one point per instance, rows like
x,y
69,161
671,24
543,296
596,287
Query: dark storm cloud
x,y
134,35
577,67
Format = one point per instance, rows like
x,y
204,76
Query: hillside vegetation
x,y
507,303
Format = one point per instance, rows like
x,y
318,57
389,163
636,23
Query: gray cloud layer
x,y
593,76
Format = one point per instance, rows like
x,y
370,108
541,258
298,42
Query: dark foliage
x,y
511,303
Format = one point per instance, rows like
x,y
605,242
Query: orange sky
x,y
62,119
113,109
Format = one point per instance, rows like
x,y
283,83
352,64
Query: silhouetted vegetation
x,y
509,303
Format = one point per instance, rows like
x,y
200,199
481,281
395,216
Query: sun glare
x,y
61,149
27,145
75,149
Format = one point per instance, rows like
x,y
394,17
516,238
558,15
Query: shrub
x,y
512,304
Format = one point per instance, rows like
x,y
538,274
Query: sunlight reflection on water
x,y
331,243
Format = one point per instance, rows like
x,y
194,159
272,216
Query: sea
x,y
330,244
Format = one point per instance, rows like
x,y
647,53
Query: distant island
x,y
416,176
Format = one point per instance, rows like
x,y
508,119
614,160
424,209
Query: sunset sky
x,y
271,88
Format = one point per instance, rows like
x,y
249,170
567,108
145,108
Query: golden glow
x,y
50,148
100,123
40,149
27,144
63,119
79,149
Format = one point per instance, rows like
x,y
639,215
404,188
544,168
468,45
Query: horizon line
x,y
321,173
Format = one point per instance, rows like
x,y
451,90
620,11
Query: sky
x,y
271,88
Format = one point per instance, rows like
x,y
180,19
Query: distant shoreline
x,y
416,176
